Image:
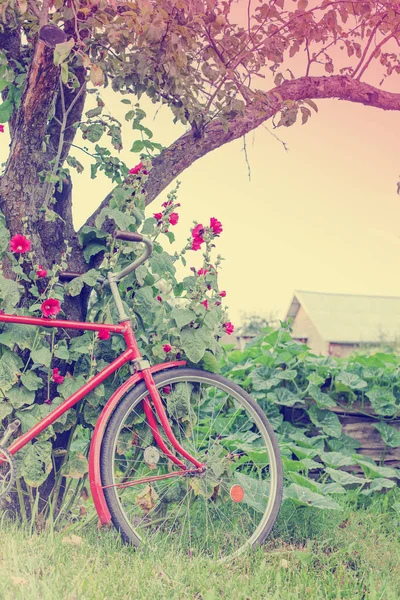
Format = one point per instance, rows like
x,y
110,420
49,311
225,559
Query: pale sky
x,y
324,216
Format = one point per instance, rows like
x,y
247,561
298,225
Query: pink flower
x,y
50,307
167,389
136,170
104,335
229,328
1,128
216,226
196,244
57,378
157,216
197,232
205,304
222,294
48,401
167,348
218,304
41,272
19,243
159,298
202,271
173,218
168,203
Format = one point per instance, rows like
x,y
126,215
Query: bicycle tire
x,y
259,428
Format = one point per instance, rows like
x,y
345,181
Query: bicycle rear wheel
x,y
232,506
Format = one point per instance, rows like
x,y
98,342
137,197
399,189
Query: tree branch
x,y
187,149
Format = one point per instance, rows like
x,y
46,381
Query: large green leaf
x,y
10,366
162,263
302,496
262,379
10,293
322,400
19,395
336,459
383,401
345,478
194,342
76,466
256,491
378,485
371,469
326,420
89,278
183,316
41,356
390,435
350,380
31,381
37,463
284,396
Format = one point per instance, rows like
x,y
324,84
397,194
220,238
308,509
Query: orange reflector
x,y
237,493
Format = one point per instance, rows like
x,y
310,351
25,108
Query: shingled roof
x,y
347,318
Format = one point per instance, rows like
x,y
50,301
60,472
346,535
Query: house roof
x,y
350,318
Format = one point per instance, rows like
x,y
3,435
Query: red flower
x,y
229,328
57,378
19,243
159,298
168,203
197,232
167,389
205,303
136,170
1,128
50,307
167,348
48,401
104,335
202,271
215,225
173,218
41,272
157,216
222,294
196,244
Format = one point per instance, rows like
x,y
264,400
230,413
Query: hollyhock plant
x,y
50,307
41,272
104,334
167,348
173,218
157,216
216,226
20,244
229,328
222,294
57,378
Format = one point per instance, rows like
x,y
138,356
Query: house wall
x,y
303,328
341,350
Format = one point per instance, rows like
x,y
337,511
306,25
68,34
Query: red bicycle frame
x,y
130,355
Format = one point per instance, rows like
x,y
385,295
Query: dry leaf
x,y
284,563
73,540
18,580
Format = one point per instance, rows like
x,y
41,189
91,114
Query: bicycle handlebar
x,y
126,236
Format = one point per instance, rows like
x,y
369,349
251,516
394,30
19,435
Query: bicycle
x,y
179,456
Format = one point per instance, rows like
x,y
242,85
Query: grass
x,y
352,554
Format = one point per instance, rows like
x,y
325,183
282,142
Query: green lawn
x,y
353,554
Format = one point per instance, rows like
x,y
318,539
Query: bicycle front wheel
x,y
230,507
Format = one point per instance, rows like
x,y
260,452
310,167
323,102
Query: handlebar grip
x,y
128,236
68,276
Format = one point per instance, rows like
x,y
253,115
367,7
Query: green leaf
x,y
31,381
372,470
37,463
345,478
6,110
379,484
287,374
5,410
178,401
382,401
322,400
283,396
162,263
75,286
122,220
182,316
20,335
76,466
262,380
42,356
336,459
10,367
19,396
390,435
256,491
210,363
92,250
350,380
302,496
326,420
10,293
137,146
194,343
91,234
61,351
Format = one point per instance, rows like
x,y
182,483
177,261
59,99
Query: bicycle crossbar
x,y
62,323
